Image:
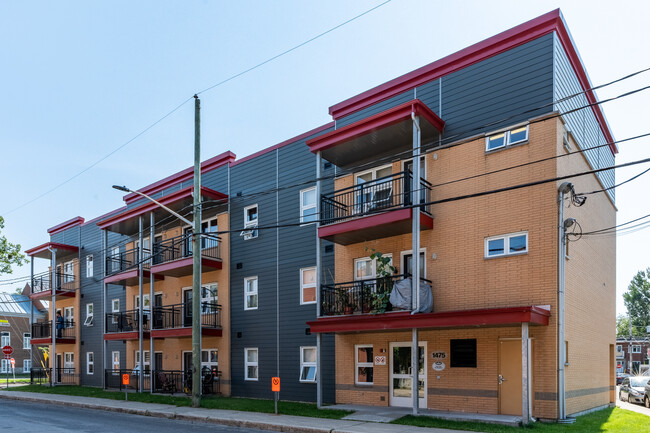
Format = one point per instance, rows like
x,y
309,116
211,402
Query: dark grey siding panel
x,y
429,93
376,108
582,123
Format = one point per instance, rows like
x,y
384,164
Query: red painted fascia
x,y
284,143
123,336
149,206
514,37
66,225
184,332
373,221
130,274
38,341
53,245
205,261
452,319
372,123
181,176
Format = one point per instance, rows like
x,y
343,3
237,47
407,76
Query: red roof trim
x,y
379,120
149,206
181,176
66,225
53,245
519,35
284,143
451,319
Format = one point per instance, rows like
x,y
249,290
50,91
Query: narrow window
x,y
115,259
250,222
5,339
27,365
209,298
27,341
251,364
250,293
115,309
463,353
308,364
115,357
308,285
89,314
89,266
90,363
363,364
308,205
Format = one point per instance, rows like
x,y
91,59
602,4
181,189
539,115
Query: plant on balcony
x,y
345,301
385,269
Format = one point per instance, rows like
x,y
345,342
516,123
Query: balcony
x,y
125,325
373,210
173,257
176,320
64,284
122,268
42,333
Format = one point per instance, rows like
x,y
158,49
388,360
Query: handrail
x,y
180,247
180,316
127,321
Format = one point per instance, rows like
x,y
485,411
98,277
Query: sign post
x,y
275,387
125,382
13,368
7,350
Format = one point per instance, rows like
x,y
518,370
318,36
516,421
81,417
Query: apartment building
x,y
304,242
15,316
632,355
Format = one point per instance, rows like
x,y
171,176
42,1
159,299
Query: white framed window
x,y
506,138
146,363
89,314
209,361
27,341
363,364
250,222
506,245
68,272
308,286
308,364
115,308
90,363
209,298
27,365
68,360
619,348
377,193
636,349
251,364
68,317
115,360
115,259
89,266
5,339
365,268
308,205
4,366
250,293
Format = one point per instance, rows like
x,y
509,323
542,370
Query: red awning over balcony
x,y
508,316
131,277
43,251
387,133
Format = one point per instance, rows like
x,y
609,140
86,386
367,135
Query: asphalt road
x,y
25,416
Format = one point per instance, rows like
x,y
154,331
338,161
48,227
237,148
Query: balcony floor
x,y
185,332
130,335
130,278
183,267
44,341
48,294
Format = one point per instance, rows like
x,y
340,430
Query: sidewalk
x,y
284,423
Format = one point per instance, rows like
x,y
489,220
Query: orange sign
x,y
275,384
125,379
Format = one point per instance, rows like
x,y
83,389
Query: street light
x,y
177,215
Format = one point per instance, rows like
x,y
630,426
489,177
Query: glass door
x,y
187,307
407,265
400,375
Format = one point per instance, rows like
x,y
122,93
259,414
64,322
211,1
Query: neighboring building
x,y
15,331
632,354
286,265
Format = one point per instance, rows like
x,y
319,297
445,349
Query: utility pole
x,y
196,260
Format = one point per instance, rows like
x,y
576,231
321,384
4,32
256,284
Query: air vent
x,y
327,165
239,335
329,248
307,331
239,265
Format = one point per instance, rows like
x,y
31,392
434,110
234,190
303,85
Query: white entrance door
x,y
400,375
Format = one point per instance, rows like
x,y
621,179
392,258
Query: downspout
x,y
415,261
319,382
565,188
141,306
152,354
53,316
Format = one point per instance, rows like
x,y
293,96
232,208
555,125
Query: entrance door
x,y
59,367
158,361
400,375
510,377
187,307
157,314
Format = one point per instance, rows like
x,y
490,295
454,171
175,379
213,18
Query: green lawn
x,y
611,420
210,402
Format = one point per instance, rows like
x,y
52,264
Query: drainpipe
x,y
141,309
415,261
53,316
565,188
152,357
105,308
319,382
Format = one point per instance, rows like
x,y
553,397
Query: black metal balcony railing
x,y
64,329
180,316
43,282
383,194
43,376
127,321
355,297
164,381
180,247
126,260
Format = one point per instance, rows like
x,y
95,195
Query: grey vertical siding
x,y
376,108
582,123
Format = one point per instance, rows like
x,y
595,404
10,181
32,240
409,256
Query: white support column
x,y
31,311
141,309
319,384
53,318
415,261
105,357
152,357
525,374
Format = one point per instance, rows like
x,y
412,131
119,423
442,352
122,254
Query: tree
x,y
623,327
637,302
9,253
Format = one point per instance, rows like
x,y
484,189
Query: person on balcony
x,y
59,324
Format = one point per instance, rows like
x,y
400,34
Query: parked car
x,y
633,389
620,377
646,395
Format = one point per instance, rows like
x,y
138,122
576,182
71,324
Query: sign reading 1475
x,y
438,356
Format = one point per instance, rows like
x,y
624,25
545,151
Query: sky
x,y
79,80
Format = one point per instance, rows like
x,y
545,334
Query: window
x,y
636,349
209,361
27,341
363,360
115,309
250,293
308,285
506,138
115,359
4,366
506,245
89,314
376,191
146,360
68,272
463,353
308,205
619,348
251,364
68,317
68,360
209,298
308,364
90,363
115,259
250,222
89,266
366,268
5,339
27,365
